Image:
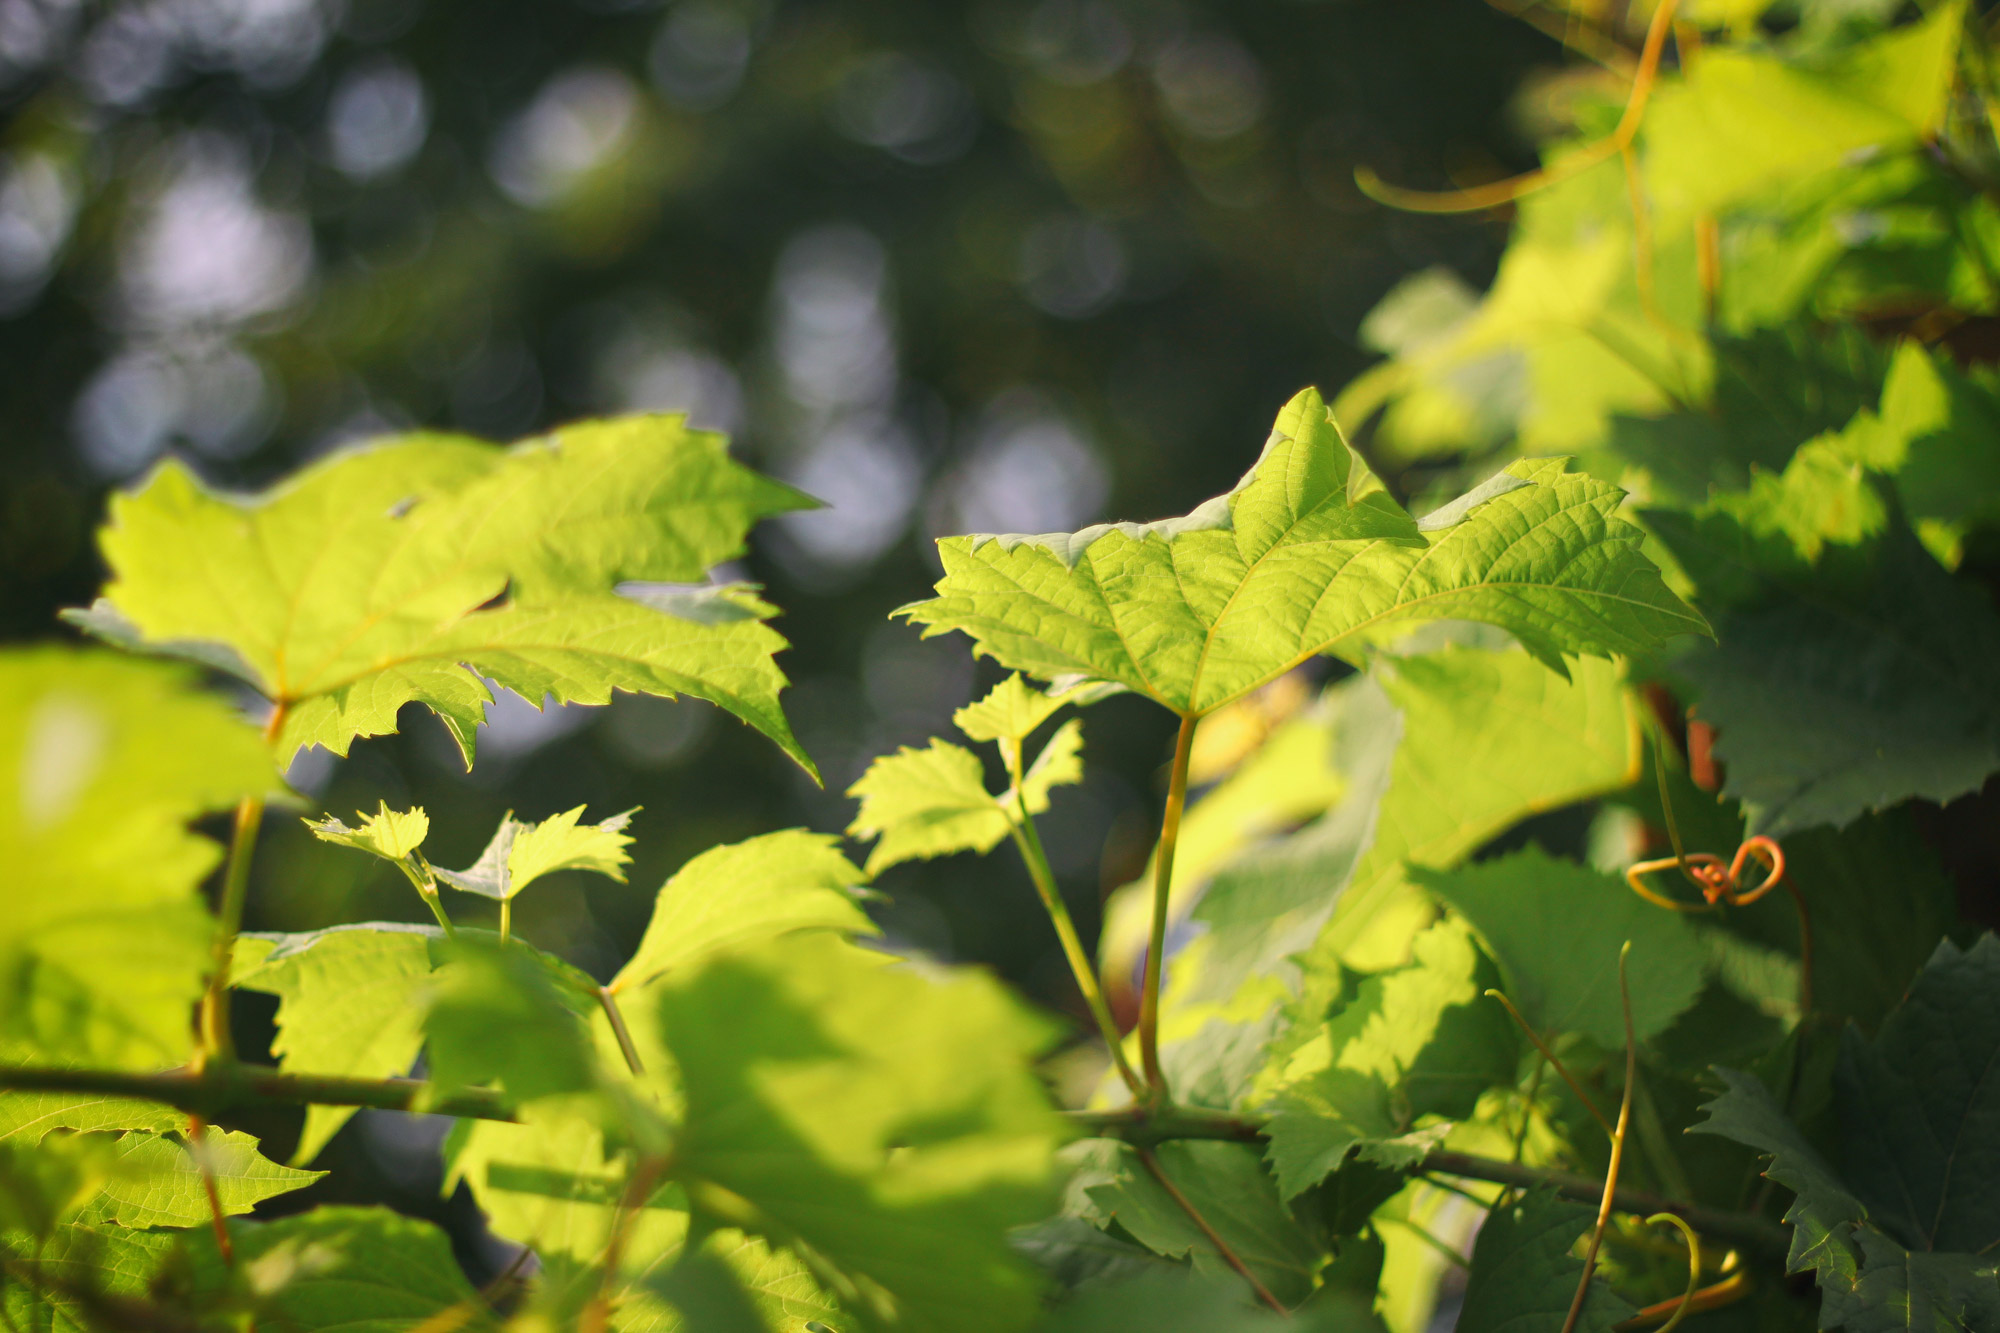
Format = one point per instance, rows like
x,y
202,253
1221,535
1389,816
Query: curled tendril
x,y
1719,883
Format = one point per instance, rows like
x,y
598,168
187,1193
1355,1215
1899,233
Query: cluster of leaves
x,y
766,1120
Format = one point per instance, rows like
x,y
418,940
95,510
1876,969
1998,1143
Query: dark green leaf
x,y
1524,1276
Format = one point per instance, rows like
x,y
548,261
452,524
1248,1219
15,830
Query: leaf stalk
x,y
1021,827
1156,943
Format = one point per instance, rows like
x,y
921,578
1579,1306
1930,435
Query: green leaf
x,y
933,801
1168,1303
350,1002
407,571
1418,1041
1010,711
708,1295
76,1258
1938,436
497,1015
1787,119
743,893
389,834
1523,1276
1851,671
522,853
355,1270
26,1117
1306,555
1556,928
159,1183
1920,1109
1440,753
1902,1291
103,761
884,1116
1229,1185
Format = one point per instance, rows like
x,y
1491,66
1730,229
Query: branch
x,y
224,1088
1139,1127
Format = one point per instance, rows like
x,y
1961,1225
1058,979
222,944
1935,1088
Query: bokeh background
x,y
1013,265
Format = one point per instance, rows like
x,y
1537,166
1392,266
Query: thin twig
x,y
224,1088
1605,1204
1163,878
1550,1056
1229,1256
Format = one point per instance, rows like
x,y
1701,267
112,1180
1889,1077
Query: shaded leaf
x,y
1523,1276
886,1117
1230,1186
1556,928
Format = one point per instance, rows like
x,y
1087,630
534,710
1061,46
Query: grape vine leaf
x,y
1228,1183
1523,1275
79,1258
25,1117
103,761
885,1117
1419,1041
1851,671
744,892
1010,711
1306,555
389,834
1905,1224
1170,1302
1920,1111
347,1269
1556,928
708,1295
158,1182
521,853
417,569
933,801
350,1002
1791,118
498,1014
1439,752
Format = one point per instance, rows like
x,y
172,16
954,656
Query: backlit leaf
x,y
103,761
933,801
160,1184
1307,554
411,570
389,834
1009,712
520,853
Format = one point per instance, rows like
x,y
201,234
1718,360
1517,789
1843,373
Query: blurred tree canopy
x,y
1009,265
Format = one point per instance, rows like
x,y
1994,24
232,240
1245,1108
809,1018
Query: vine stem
x,y
609,1001
1229,1256
1021,827
1605,1204
646,1174
217,1045
1156,941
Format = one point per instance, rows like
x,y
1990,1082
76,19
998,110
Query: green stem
x,y
506,918
427,889
609,1002
1029,843
1163,879
222,1088
218,1045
